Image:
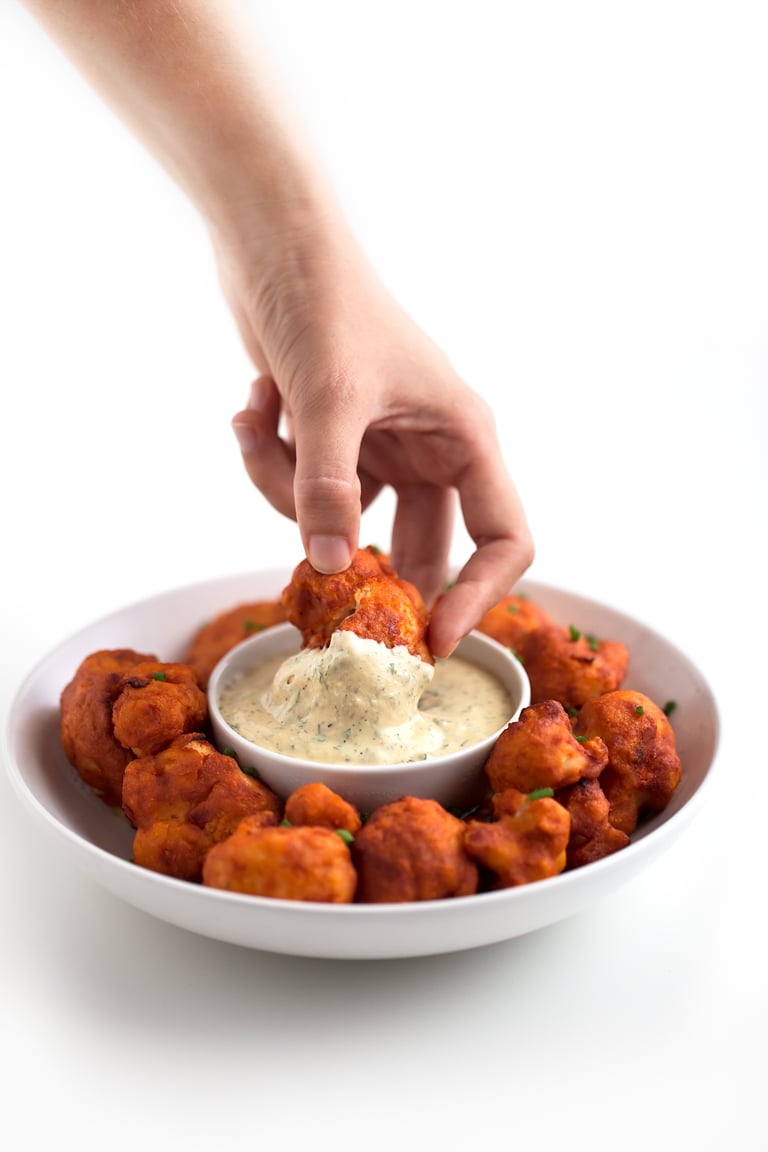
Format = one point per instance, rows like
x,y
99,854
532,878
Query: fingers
x,y
268,460
496,521
326,487
421,536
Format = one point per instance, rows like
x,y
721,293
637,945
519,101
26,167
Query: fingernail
x,y
329,553
247,438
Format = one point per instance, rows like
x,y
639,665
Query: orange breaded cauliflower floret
x,y
186,798
87,733
302,863
512,619
412,849
155,703
566,665
644,768
226,630
592,834
367,598
526,842
316,804
540,751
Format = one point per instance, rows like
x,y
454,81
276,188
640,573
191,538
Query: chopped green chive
x,y
253,626
513,608
581,739
573,632
159,676
639,711
346,836
541,793
285,824
229,752
592,640
669,707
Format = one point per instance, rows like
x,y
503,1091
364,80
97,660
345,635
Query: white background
x,y
571,198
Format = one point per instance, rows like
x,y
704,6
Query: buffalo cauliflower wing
x,y
525,842
284,863
540,751
186,798
644,768
412,849
367,598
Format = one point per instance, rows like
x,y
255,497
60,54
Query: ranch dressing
x,y
359,702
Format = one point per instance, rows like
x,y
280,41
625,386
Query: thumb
x,y
327,492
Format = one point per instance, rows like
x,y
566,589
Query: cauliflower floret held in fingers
x,y
540,751
155,703
570,666
198,796
367,598
644,768
217,637
284,863
87,732
525,842
412,849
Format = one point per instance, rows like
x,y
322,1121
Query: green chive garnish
x,y
669,707
346,836
541,793
159,676
574,632
639,711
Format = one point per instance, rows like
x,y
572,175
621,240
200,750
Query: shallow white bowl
x,y
454,780
99,840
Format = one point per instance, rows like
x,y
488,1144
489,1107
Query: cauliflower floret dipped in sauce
x,y
364,688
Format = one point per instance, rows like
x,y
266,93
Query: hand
x,y
353,397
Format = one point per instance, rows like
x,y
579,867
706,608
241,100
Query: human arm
x,y
368,399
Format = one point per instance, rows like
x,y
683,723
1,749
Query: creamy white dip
x,y
358,702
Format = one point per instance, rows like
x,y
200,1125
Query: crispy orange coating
x,y
570,667
156,703
526,842
412,849
643,765
221,634
87,734
297,863
188,784
592,834
367,598
512,619
318,805
540,751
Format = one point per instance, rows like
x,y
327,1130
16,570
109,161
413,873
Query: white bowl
x,y
99,840
455,780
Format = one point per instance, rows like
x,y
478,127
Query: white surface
x,y
570,198
98,840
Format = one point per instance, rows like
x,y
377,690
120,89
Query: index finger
x,y
496,521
